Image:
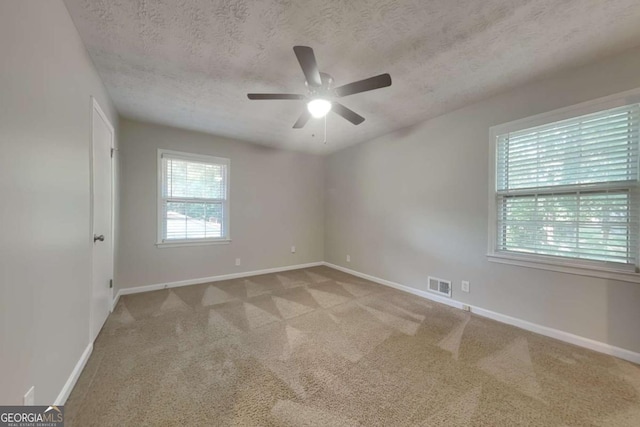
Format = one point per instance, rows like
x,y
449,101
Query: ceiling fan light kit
x,y
319,107
320,92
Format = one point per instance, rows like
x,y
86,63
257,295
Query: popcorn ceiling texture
x,y
190,63
318,347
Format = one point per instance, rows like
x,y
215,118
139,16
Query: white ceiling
x,y
190,63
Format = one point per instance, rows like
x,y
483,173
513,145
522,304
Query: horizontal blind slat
x,y
599,147
593,119
605,130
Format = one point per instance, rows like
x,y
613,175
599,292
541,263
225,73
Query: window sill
x,y
568,266
164,245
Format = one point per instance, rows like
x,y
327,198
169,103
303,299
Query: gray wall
x,y
415,203
276,201
46,79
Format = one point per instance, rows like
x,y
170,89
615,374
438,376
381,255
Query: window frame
x,y
600,269
203,158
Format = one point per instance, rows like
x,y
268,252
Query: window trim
x,y
226,239
601,269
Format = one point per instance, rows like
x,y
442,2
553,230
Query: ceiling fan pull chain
x,y
325,130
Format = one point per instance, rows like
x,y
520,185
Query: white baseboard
x,y
73,378
149,288
578,340
414,291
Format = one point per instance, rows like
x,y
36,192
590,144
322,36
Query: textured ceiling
x,y
190,63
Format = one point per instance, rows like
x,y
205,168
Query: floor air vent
x,y
440,286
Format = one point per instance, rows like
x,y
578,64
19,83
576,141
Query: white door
x,y
102,182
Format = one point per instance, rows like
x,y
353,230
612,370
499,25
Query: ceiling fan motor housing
x,y
324,91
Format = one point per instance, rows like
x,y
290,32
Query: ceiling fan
x,y
321,93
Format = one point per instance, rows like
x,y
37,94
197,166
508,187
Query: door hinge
x,y
112,151
110,283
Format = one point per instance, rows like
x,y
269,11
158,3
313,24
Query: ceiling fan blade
x,y
348,114
274,96
307,61
302,120
377,82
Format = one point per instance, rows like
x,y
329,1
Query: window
x,y
193,205
566,192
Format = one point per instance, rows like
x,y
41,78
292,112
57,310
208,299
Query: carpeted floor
x,y
318,347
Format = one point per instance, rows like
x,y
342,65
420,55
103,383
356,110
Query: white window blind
x,y
570,188
193,203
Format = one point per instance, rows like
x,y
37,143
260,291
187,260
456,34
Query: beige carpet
x,y
318,347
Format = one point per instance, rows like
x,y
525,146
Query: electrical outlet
x,y
293,249
30,397
348,258
465,286
237,261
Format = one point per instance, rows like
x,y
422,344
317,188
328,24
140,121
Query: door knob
x,y
96,238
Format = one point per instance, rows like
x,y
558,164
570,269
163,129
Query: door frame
x,y
96,109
